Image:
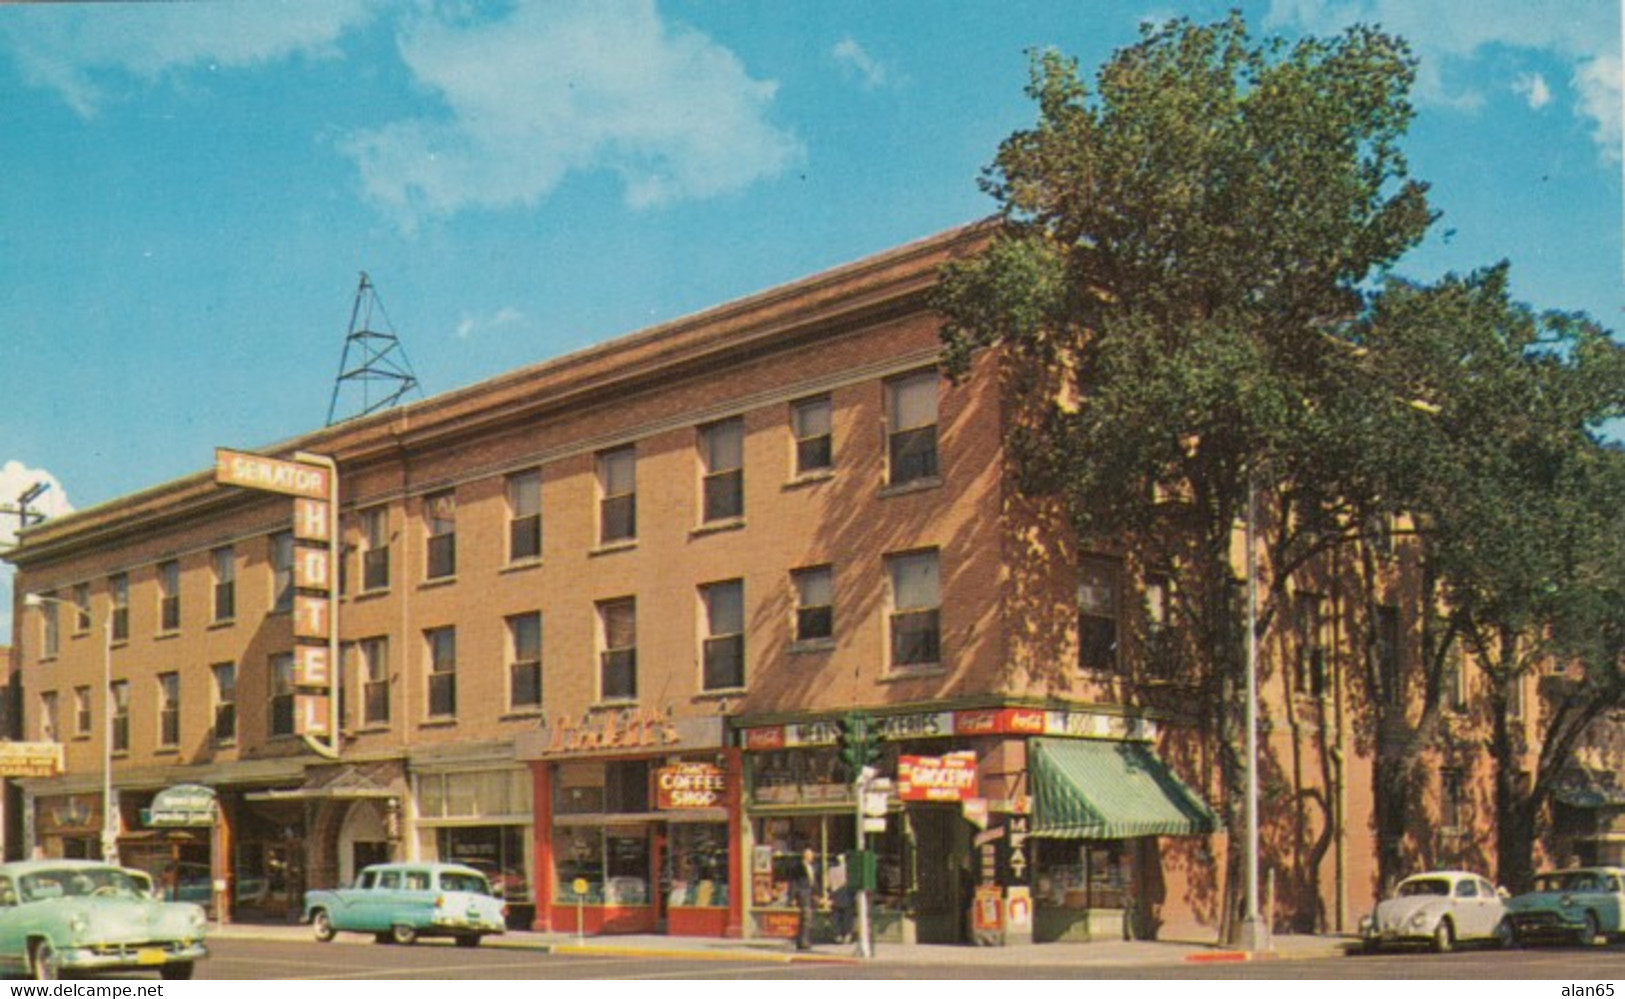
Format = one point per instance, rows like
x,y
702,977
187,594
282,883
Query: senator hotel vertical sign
x,y
312,482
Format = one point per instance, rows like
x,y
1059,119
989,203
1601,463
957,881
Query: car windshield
x,y
1569,881
1424,886
78,882
458,881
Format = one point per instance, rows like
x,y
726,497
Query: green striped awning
x,y
1098,789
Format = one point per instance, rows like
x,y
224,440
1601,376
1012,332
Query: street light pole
x,y
109,831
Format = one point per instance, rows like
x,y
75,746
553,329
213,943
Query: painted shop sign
x,y
633,728
181,805
936,778
935,724
30,759
254,471
689,785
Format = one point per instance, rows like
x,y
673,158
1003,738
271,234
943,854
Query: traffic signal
x,y
859,742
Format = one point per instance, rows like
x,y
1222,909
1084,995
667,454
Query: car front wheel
x,y
180,971
322,925
1505,937
469,940
1444,937
403,934
44,963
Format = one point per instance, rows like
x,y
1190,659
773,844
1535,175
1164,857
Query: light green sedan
x,y
398,903
83,915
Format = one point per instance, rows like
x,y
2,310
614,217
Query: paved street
x,y
292,959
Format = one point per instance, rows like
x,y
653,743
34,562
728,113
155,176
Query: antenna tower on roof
x,y
379,374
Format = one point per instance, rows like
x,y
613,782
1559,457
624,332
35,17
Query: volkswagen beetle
x,y
1439,909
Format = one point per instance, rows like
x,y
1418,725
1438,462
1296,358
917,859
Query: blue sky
x,y
192,189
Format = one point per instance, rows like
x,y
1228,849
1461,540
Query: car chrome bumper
x,y
93,957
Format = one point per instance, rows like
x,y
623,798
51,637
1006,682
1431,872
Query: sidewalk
x,y
1104,953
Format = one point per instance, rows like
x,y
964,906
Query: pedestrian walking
x,y
804,893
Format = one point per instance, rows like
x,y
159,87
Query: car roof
x,y
20,867
1453,875
1604,869
425,865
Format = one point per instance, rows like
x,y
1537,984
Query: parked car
x,y
1440,909
1584,903
83,915
401,902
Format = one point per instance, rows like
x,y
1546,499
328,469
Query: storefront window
x,y
698,853
613,863
1077,874
498,852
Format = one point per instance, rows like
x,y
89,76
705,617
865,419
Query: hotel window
x,y
916,601
724,644
225,583
617,492
169,595
815,603
525,661
722,450
81,712
373,671
440,520
281,720
225,703
524,516
48,716
119,693
282,571
50,627
119,587
169,709
618,650
1309,675
1099,595
442,645
810,425
81,603
375,549
911,428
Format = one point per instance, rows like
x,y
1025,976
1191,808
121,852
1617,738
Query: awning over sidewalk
x,y
1101,789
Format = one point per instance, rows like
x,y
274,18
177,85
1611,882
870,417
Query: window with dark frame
x,y
525,661
810,425
440,524
225,703
282,571
81,604
169,595
442,646
911,428
915,621
1389,665
373,672
224,564
1309,626
169,710
815,603
81,711
1453,802
119,694
375,549
722,452
50,627
618,650
1099,605
282,695
49,718
524,516
618,498
723,605
118,586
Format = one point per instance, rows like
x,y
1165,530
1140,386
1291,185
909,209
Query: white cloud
x,y
1533,89
1447,35
471,326
859,63
14,479
86,51
551,89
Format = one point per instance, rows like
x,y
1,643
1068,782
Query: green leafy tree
x,y
1181,245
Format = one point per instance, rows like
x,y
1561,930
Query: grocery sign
x,y
936,778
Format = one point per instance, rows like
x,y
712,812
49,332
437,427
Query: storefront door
x,y
946,880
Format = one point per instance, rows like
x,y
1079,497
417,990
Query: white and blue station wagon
x,y
398,903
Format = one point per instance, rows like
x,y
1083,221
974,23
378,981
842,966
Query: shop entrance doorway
x,y
943,862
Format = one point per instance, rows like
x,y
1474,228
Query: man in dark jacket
x,y
804,893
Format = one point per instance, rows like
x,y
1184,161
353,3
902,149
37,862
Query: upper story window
x,y
225,703
282,571
810,421
169,595
375,549
1454,680
224,565
440,522
815,603
373,672
1309,676
118,587
722,451
169,709
81,712
617,495
119,694
525,661
50,626
48,717
1162,649
282,695
1099,602
916,605
1388,658
724,644
618,650
81,604
911,428
442,647
524,516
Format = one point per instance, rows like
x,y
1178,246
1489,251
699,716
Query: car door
x,y
355,904
13,925
1468,909
415,905
1612,913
